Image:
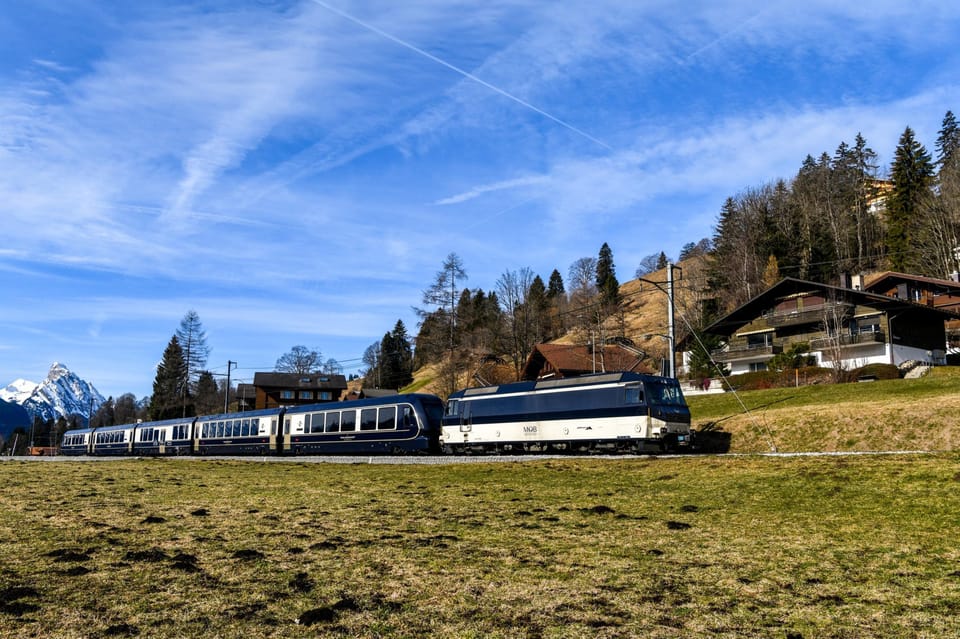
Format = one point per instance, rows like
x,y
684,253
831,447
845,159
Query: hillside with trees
x,y
842,213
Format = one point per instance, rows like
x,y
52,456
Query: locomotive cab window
x,y
634,394
452,407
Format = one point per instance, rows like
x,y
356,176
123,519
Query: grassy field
x,y
861,546
902,414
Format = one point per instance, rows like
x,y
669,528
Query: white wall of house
x,y
856,357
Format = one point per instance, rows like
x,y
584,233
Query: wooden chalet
x,y
293,389
842,326
565,360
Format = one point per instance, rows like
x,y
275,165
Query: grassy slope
x,y
920,414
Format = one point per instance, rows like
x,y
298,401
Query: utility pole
x,y
671,332
671,329
226,391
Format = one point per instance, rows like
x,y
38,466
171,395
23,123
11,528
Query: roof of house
x,y
750,310
579,359
892,278
298,380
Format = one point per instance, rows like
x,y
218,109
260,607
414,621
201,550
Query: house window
x,y
306,394
324,396
758,366
760,340
287,394
868,325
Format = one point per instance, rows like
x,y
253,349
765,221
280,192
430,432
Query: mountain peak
x,y
61,394
57,370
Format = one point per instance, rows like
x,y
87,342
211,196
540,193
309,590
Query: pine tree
x,y
606,281
948,142
396,358
555,285
169,385
912,176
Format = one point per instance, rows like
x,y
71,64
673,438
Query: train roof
x,y
368,401
562,382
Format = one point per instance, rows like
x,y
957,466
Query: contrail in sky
x,y
462,72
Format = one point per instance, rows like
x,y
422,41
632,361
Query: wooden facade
x,y
841,326
295,389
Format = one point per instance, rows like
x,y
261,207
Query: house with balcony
x,y
272,390
843,327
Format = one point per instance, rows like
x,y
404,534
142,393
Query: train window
x,y
332,422
348,420
387,418
368,419
306,422
452,407
634,395
318,422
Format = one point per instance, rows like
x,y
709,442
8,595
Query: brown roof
x,y
570,360
307,381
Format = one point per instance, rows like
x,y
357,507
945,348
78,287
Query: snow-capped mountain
x,y
18,391
61,394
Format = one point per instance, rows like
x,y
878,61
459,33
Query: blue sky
x,y
296,171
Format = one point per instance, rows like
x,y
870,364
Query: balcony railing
x,y
810,314
744,351
858,339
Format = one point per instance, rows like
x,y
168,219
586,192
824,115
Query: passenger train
x,y
623,412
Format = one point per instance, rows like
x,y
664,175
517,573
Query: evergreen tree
x,y
912,176
606,281
948,142
662,261
169,385
555,285
208,399
396,358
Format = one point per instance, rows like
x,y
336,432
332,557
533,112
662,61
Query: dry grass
x,y
726,547
916,414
